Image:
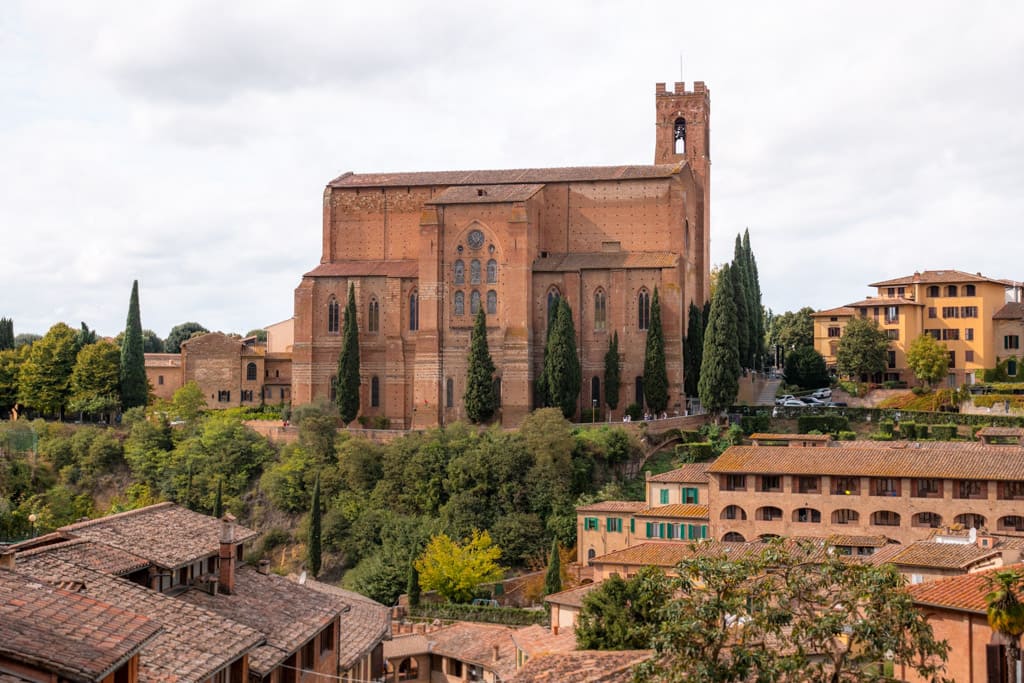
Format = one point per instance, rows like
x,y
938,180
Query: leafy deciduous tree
x,y
44,379
622,614
188,402
180,333
792,330
928,359
455,570
655,373
480,399
805,368
348,380
96,378
862,348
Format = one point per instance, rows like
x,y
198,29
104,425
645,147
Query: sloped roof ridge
x,y
118,515
506,176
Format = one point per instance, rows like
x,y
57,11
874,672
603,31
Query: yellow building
x,y
954,307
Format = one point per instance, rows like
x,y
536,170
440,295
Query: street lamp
x,y
32,520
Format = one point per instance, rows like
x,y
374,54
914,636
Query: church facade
x,y
424,251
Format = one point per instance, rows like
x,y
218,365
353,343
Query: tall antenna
x,y
680,65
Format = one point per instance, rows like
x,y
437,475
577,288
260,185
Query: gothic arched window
x,y
373,315
680,135
643,310
460,303
374,392
600,310
474,272
492,272
474,302
460,272
492,302
250,372
332,316
553,296
449,392
414,311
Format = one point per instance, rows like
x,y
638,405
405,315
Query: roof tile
x,y
505,176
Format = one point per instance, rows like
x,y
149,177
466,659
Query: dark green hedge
x,y
944,432
823,424
510,616
755,423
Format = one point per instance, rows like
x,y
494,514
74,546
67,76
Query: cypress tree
x,y
479,399
655,373
134,386
553,578
720,366
313,545
757,305
6,334
562,374
218,502
738,274
347,387
412,586
612,373
693,349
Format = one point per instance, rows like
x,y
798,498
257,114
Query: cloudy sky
x,y
187,144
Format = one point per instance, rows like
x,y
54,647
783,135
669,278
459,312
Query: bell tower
x,y
683,126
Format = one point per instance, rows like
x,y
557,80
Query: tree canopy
x,y
348,381
180,333
562,375
455,570
862,348
720,365
480,399
791,330
805,367
622,614
134,385
96,378
928,359
655,372
44,380
693,349
6,334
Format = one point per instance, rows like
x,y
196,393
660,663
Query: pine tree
x,y
313,545
655,373
412,586
562,374
218,502
739,285
693,349
612,373
480,401
347,387
553,578
720,365
134,386
6,334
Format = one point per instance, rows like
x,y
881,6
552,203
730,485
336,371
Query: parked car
x,y
782,399
822,393
836,404
793,403
812,401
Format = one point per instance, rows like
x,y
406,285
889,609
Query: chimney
x,y
264,567
554,629
7,560
496,651
227,554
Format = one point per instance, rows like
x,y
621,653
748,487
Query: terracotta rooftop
x,y
1001,431
1010,311
614,506
946,461
505,176
692,473
365,624
94,555
676,511
582,666
486,194
286,613
474,643
858,541
935,277
406,646
605,260
573,597
964,593
408,268
194,642
166,534
669,554
538,640
942,555
887,301
760,436
75,636
842,310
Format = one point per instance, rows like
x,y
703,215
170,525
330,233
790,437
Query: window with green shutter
x,y
652,530
590,524
703,530
664,496
690,496
613,524
632,525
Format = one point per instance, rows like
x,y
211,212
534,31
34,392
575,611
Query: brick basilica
x,y
425,251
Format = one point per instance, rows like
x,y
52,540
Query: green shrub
x,y
691,435
908,430
922,431
755,423
945,432
847,436
700,451
822,424
886,426
635,411
880,436
511,616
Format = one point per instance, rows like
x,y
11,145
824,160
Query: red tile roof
x,y
1011,311
676,511
166,534
692,473
407,268
946,461
936,277
964,593
538,640
582,666
486,194
837,312
506,176
613,506
573,597
99,556
760,436
888,301
942,555
364,624
75,636
669,553
475,644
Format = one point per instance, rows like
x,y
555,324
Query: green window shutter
x,y
669,531
664,496
690,496
632,525
661,530
703,530
650,530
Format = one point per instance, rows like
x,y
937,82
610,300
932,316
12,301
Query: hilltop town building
x,y
425,251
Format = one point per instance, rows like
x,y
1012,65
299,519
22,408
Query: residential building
x,y
460,652
903,491
956,308
583,666
1007,334
423,252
